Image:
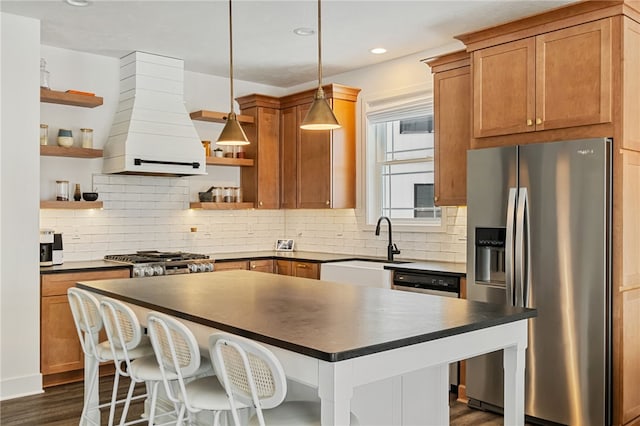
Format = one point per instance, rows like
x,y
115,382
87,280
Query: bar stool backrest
x,y
86,316
176,349
123,328
249,372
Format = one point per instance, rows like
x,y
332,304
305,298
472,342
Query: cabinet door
x,y
283,267
342,174
305,270
261,183
504,89
573,76
261,265
60,348
230,266
452,115
288,157
314,166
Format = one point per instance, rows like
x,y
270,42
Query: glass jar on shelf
x,y
227,196
62,190
217,195
87,138
237,194
44,134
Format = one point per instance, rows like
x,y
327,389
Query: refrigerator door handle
x,y
509,265
522,249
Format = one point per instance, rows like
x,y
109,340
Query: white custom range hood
x,y
152,133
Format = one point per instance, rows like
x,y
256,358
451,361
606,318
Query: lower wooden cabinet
x,y
61,357
298,269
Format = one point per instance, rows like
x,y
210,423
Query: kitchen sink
x,y
368,273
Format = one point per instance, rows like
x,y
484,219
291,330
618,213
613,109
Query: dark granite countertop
x,y
458,269
82,266
324,320
306,256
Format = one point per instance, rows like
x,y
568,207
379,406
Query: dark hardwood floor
x,y
61,406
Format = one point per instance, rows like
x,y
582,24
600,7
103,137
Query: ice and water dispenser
x,y
490,256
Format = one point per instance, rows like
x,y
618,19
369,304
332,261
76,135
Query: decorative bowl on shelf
x,y
89,196
65,141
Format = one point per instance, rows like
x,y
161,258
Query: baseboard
x,y
17,387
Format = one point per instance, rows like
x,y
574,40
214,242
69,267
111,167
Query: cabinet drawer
x,y
261,265
57,284
229,266
305,270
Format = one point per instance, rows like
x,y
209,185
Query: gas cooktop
x,y
150,263
154,256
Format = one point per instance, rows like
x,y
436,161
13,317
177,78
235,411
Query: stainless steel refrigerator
x,y
539,236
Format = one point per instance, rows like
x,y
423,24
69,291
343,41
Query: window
x,y
400,161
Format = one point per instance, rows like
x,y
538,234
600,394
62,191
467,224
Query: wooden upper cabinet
x,y
452,122
504,89
555,80
288,157
314,172
260,183
297,168
318,168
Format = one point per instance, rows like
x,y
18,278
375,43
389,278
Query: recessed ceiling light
x,y
79,3
378,50
304,31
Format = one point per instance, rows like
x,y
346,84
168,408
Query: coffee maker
x,y
57,249
46,247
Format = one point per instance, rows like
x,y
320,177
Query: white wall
x,y
19,164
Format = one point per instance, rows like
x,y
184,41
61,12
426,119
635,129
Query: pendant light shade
x,y
232,133
320,116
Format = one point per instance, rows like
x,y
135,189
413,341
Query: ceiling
x,y
265,48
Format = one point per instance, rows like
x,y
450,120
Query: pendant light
x,y
232,133
320,116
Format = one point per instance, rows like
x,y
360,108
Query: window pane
x,y
404,157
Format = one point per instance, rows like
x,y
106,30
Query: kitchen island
x,y
337,337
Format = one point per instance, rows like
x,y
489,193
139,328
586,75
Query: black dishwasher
x,y
427,282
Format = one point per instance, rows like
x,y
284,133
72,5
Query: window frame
x,y
405,103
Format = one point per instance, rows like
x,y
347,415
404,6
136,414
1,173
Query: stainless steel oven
x,y
435,284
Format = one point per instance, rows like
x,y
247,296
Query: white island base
x,y
402,386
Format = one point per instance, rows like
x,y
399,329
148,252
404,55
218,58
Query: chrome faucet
x,y
391,248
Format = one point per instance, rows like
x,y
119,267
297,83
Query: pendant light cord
x,y
319,46
230,59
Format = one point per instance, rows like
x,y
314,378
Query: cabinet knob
x,y
253,266
538,121
435,198
260,203
302,265
529,122
327,202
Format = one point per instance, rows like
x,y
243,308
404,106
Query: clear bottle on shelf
x,y
44,134
87,138
44,74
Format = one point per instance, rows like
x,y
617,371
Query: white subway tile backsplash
x,y
152,213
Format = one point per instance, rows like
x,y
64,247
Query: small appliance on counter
x,y
46,247
57,257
